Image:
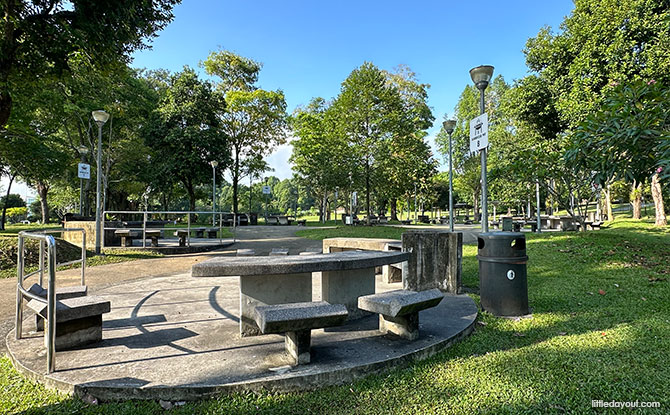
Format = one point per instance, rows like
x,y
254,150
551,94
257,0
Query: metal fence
x,y
146,215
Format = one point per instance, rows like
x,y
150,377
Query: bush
x,y
9,249
16,214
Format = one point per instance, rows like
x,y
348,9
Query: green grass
x,y
580,345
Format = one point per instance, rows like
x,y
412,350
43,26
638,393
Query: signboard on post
x,y
84,171
266,190
479,133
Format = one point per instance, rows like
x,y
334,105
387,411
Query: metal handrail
x,y
48,241
146,213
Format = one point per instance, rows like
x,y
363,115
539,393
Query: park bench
x,y
423,218
406,222
78,320
296,322
383,220
272,220
278,251
284,220
302,222
62,293
271,280
399,310
127,236
212,232
182,234
153,234
199,232
390,273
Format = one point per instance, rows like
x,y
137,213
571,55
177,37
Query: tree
x,y
39,37
625,138
321,157
253,121
368,109
183,132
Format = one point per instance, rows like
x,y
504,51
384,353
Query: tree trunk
x,y
394,209
657,194
636,195
475,205
236,180
43,191
4,206
367,188
608,203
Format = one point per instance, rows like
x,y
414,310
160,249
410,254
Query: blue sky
x,y
309,47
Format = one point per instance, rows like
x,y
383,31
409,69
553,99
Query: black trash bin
x,y
503,286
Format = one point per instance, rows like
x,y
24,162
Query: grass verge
x,y
599,331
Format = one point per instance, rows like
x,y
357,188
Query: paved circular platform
x,y
176,338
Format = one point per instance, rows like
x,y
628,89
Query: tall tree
x,y
38,37
183,132
368,109
253,121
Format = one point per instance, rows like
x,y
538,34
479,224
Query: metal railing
x,y
189,226
47,243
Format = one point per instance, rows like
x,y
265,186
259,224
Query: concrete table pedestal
x,y
344,287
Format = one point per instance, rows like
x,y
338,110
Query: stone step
x,y
246,252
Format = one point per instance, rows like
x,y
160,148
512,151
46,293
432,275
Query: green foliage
x,y
183,132
12,200
254,121
16,214
629,136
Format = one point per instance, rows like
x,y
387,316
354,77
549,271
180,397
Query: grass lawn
x,y
389,232
600,330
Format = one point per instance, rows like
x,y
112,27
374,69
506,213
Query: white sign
x,y
266,190
479,133
84,171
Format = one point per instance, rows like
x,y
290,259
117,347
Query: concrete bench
x,y
245,252
278,251
153,234
182,234
199,232
368,244
296,321
127,236
62,293
284,220
270,280
302,222
78,320
212,232
272,220
399,310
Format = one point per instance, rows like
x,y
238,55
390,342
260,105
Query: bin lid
x,y
501,244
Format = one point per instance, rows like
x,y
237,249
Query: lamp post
x,y
481,75
449,128
214,164
100,117
83,152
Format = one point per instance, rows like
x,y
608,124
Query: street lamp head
x,y
83,150
100,117
449,126
214,163
481,76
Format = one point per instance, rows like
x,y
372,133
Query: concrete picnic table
x,y
268,280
